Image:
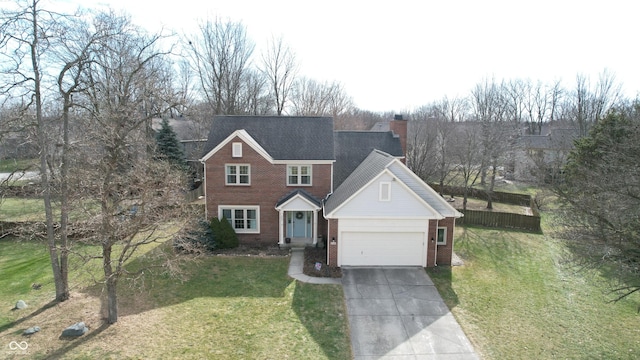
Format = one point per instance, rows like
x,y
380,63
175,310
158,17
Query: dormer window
x,y
236,150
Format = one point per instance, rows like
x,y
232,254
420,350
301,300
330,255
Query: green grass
x,y
220,307
10,165
31,209
21,209
517,297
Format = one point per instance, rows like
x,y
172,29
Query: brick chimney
x,y
399,128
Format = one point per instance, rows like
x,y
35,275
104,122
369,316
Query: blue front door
x,y
299,224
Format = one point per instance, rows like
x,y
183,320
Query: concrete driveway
x,y
397,314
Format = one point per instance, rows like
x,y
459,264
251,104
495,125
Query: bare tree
x,y
450,112
467,154
422,138
255,99
497,132
138,196
221,54
587,105
280,67
312,98
26,39
515,96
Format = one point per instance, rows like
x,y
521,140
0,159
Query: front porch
x,y
298,214
295,243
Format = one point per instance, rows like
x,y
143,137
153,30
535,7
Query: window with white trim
x,y
385,191
237,174
236,150
299,175
442,236
244,219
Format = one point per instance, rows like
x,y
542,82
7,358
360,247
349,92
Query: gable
x,y
235,138
372,168
298,200
401,201
281,137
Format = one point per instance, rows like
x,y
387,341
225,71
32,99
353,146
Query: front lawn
x,y
518,297
32,209
10,165
224,307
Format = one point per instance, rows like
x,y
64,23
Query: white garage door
x,y
382,248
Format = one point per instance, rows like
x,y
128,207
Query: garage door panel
x,y
382,248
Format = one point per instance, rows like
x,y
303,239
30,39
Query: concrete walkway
x,y
295,270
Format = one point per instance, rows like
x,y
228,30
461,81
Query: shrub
x,y
200,236
225,235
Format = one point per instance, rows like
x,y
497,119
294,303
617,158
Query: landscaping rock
x,y
20,305
77,329
32,330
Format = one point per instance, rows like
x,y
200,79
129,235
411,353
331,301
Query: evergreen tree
x,y
169,147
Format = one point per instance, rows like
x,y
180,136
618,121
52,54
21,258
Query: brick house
x,y
281,179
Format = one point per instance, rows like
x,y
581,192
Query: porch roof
x,y
299,193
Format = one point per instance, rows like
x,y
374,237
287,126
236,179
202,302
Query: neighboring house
x,y
295,179
541,157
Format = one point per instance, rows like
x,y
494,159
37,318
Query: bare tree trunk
x,y
492,185
62,291
64,203
111,280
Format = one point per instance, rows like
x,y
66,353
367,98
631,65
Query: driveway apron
x,y
397,314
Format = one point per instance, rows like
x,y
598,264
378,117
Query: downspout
x,y
204,190
435,252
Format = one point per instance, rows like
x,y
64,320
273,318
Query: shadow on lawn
x,y
442,277
42,309
72,343
501,247
210,276
321,309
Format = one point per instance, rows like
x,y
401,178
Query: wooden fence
x,y
500,220
493,218
497,196
195,194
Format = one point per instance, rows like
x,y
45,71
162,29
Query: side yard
x,y
519,297
223,307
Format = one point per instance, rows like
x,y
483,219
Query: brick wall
x,y
431,243
445,251
332,249
268,185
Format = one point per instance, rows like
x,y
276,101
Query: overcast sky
x,y
397,55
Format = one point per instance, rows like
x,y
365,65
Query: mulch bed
x,y
315,255
311,257
254,250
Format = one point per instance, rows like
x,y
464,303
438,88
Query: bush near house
x,y
223,233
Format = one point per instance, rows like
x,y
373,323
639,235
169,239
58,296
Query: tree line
x,y
467,140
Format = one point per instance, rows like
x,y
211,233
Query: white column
x,y
315,227
280,227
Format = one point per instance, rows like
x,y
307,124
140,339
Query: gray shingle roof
x,y
283,137
352,147
371,167
302,193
